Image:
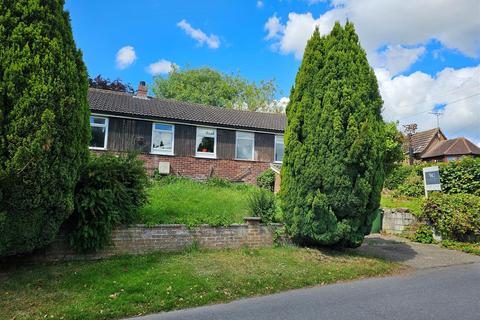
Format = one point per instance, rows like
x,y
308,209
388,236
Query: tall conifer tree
x,y
335,151
44,128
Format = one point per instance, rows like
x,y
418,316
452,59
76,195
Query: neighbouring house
x,y
450,150
423,141
184,138
433,146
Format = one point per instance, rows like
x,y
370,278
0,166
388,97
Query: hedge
x,y
454,216
462,176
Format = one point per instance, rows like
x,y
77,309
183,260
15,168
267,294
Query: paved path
x,y
415,255
445,285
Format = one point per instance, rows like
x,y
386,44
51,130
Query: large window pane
x,y
99,126
206,140
279,148
245,145
162,138
98,137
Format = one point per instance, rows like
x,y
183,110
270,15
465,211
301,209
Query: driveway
x,y
412,254
445,285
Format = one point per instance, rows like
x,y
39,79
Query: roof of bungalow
x,y
129,105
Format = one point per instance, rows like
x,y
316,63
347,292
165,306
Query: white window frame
x,y
98,125
169,153
209,155
253,144
275,148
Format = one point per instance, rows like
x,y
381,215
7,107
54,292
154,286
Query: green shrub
x,y
44,128
456,216
423,234
111,191
336,153
462,176
262,204
398,176
411,187
266,180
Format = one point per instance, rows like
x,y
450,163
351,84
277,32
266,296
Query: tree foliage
x,y
211,87
44,128
100,82
335,143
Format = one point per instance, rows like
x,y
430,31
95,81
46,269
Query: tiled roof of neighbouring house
x,y
124,104
421,140
457,146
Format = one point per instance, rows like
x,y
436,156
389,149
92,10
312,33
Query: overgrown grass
x,y
473,248
185,201
413,204
134,285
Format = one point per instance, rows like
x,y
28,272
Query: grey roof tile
x,y
119,103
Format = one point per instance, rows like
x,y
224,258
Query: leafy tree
x,y
211,87
335,153
44,126
104,83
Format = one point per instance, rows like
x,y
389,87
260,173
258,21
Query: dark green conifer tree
x,y
335,151
44,127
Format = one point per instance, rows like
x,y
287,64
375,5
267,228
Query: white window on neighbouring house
x,y
162,138
245,142
206,145
99,126
279,148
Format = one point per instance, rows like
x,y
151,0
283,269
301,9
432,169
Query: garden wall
x,y
395,220
166,238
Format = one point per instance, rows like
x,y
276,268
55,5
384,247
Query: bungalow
x,y
185,138
433,146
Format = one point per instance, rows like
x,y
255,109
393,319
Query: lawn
x,y
134,285
414,204
185,201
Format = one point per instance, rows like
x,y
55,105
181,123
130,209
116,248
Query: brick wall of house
x,y
201,168
167,238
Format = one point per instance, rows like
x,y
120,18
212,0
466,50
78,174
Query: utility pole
x,y
410,130
437,114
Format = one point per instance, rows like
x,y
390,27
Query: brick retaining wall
x,y
167,238
395,220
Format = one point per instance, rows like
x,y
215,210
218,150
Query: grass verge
x,y
190,202
135,285
413,204
473,248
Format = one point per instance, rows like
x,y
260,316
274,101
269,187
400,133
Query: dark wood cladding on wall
x,y
185,140
136,135
225,144
264,146
129,135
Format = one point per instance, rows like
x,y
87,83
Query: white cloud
x,y
162,66
409,99
260,4
274,27
125,57
396,58
212,40
379,23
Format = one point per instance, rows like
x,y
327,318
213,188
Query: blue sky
x,y
424,56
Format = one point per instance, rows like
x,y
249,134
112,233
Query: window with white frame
x,y
162,138
99,126
206,145
279,148
244,145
